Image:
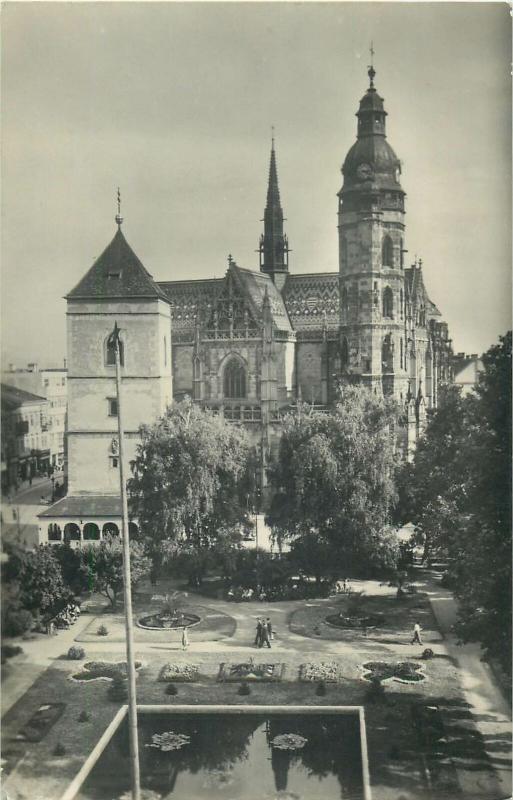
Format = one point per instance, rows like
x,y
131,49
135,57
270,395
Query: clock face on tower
x,y
365,172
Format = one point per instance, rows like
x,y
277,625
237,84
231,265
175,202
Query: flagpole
x,y
127,586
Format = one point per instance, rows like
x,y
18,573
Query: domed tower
x,y
371,250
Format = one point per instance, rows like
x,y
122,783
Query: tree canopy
x,y
458,493
191,480
335,477
102,566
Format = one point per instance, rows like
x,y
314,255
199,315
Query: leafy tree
x,y
334,478
38,578
70,560
102,564
192,478
458,493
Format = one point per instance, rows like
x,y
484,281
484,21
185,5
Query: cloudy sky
x,y
174,102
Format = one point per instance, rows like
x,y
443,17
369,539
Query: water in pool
x,y
237,757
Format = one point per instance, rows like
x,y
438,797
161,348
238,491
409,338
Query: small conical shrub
x,y
59,749
118,690
244,688
321,689
171,689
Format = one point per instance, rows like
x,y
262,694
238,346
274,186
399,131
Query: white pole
x,y
127,587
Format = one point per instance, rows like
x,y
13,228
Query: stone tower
x,y
117,288
274,247
371,256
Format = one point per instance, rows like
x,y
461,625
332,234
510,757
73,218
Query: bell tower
x,y
371,255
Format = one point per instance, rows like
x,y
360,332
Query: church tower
x,y
371,256
274,247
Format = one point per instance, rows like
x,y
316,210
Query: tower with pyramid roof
x,y
116,289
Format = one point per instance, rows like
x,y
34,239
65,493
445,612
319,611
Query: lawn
x,y
400,746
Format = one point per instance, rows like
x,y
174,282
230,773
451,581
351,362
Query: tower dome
x,y
371,163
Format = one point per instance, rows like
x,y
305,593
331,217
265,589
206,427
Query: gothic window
x,y
343,251
344,354
387,354
110,353
401,254
387,252
345,301
388,303
234,379
401,303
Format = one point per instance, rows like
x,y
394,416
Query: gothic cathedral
x,y
253,343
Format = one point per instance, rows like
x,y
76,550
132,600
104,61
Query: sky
x,y
174,103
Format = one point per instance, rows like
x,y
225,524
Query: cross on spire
x,y
272,136
119,218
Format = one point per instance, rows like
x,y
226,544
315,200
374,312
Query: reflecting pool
x,y
236,756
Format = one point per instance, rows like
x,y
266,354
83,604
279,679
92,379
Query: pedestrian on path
x,y
185,639
416,634
265,635
269,628
259,633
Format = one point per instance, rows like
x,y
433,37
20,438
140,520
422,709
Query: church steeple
x,y
274,248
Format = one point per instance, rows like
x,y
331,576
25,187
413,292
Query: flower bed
x,y
401,671
369,621
102,670
169,741
288,741
319,671
40,723
250,671
179,672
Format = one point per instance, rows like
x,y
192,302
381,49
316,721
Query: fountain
x,y
170,617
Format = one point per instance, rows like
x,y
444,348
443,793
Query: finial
x,y
372,72
230,259
420,263
119,218
272,137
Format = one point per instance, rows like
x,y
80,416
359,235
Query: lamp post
x,y
127,586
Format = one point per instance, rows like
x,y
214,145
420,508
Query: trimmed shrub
x,y
16,623
320,689
244,689
102,631
84,716
171,689
76,653
59,749
9,651
427,654
118,690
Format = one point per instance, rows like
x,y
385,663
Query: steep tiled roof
x,y
14,398
312,299
117,273
190,298
255,284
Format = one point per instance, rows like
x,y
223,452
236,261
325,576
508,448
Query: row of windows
x,y
387,252
89,532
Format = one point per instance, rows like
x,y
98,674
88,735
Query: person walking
x,y
265,634
259,633
416,634
185,639
269,628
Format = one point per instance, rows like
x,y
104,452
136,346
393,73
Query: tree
x,y
70,561
334,478
191,479
38,578
102,565
458,493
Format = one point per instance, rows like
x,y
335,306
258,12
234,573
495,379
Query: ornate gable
x,y
234,314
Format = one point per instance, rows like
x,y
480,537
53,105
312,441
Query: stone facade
x,y
254,343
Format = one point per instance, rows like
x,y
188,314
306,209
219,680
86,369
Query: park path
x,y
490,710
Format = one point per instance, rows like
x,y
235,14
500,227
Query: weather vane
x,y
372,72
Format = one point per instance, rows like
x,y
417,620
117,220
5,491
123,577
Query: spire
x,y
119,218
273,247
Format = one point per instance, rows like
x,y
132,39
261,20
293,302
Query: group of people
x,y
264,632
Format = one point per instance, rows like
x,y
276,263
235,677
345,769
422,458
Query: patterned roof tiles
x,y
312,298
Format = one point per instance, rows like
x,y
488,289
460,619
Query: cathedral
x,y
255,342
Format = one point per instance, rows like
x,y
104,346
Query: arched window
x,y
234,379
345,301
91,531
344,353
54,532
71,532
388,303
343,251
387,354
133,530
387,252
110,353
110,529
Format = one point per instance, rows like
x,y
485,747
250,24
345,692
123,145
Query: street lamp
x,y
127,586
